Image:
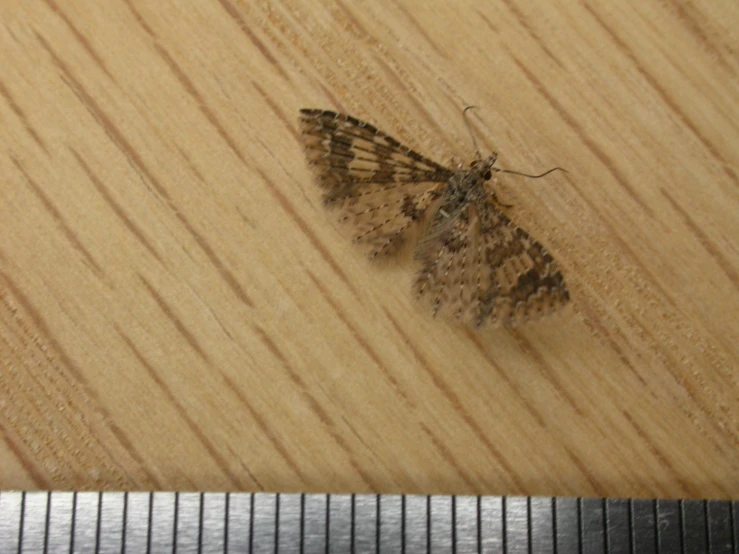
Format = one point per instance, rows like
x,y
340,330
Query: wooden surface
x,y
179,312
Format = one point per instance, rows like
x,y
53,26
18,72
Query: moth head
x,y
484,167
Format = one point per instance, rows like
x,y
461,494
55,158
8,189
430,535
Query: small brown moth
x,y
476,265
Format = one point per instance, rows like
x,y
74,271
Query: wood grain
x,y
179,312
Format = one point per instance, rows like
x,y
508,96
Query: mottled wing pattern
x,y
479,268
346,153
381,187
381,220
448,254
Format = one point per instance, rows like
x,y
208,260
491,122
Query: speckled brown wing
x,y
381,188
480,268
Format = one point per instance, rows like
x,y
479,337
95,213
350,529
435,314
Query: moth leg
x,y
497,202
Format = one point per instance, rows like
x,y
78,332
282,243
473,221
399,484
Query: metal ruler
x,y
306,523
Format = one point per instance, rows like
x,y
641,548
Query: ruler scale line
x,y
504,533
554,524
227,501
47,522
277,523
74,521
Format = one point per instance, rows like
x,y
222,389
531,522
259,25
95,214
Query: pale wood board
x,y
180,312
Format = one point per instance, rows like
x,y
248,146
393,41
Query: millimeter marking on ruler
x,y
306,523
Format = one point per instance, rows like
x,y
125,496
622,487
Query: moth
x,y
476,266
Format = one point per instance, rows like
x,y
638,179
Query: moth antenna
x,y
526,174
469,129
